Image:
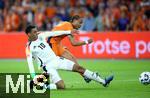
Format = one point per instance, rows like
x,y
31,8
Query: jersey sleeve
x,y
30,62
46,34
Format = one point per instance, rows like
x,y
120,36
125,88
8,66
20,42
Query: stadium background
x,y
120,30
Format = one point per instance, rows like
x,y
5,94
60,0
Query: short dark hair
x,y
75,17
29,28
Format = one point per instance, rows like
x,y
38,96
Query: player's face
x,y
34,34
77,23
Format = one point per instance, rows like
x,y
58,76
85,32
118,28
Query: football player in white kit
x,y
38,49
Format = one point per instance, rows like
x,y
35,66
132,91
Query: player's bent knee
x,y
61,87
60,84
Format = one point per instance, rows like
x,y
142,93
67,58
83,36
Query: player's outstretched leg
x,y
108,80
92,75
67,54
66,64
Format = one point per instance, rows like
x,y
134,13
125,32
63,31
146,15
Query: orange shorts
x,y
58,49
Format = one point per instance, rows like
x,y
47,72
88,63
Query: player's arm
x,y
30,62
46,34
78,43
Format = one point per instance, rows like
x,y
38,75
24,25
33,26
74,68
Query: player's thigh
x,y
67,54
54,75
65,64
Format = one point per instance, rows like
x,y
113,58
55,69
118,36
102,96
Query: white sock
x,y
91,75
51,86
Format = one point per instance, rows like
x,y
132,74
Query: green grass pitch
x,y
124,85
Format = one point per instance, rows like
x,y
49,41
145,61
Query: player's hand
x,y
40,79
90,41
74,31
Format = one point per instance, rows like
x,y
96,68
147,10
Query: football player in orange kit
x,y
55,42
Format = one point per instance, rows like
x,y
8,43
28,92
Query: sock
x,y
92,75
50,86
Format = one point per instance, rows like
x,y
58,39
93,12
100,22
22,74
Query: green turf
x,y
125,84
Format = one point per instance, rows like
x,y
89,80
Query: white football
x,y
145,78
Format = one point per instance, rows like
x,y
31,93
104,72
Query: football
x,y
145,78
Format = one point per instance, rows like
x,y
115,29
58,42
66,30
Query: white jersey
x,y
41,51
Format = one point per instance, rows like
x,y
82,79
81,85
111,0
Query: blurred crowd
x,y
98,15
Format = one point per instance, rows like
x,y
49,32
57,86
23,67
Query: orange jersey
x,y
63,26
55,42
